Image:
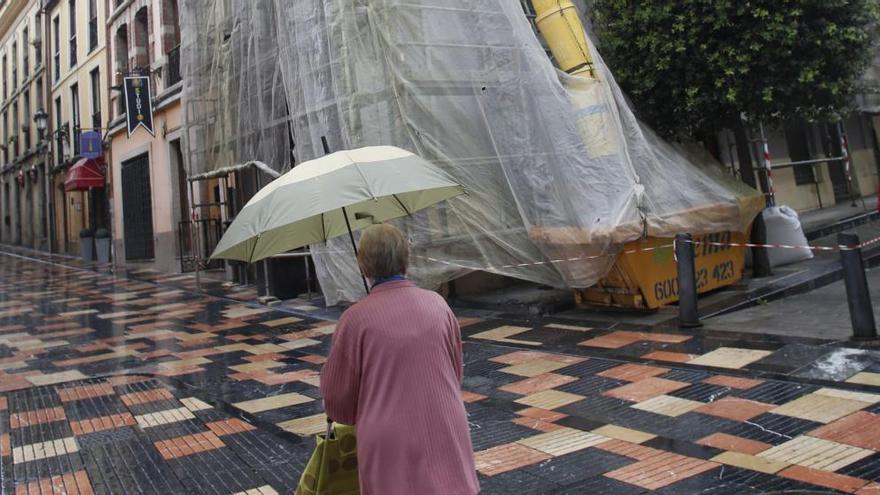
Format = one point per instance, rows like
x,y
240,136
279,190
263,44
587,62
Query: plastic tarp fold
x,y
555,166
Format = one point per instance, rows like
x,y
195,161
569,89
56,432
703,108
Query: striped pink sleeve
x,y
457,353
340,376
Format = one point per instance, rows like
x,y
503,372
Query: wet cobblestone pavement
x,y
136,384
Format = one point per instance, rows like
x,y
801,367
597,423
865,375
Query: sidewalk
x,y
110,381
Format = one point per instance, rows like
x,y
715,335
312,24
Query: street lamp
x,y
41,118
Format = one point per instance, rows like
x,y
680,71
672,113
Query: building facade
x,y
77,79
24,205
815,165
149,202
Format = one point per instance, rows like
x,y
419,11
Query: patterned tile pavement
x,y
133,383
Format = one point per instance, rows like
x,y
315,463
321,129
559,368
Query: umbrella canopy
x,y
319,199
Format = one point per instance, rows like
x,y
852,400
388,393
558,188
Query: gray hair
x,y
383,251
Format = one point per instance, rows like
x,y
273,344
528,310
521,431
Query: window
x,y
6,146
59,140
25,54
26,120
141,40
5,88
95,77
75,117
797,139
72,16
93,25
56,33
121,41
39,98
38,50
14,66
14,136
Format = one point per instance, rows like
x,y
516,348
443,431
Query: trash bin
x,y
86,247
287,277
102,245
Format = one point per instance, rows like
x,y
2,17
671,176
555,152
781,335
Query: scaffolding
x,y
469,86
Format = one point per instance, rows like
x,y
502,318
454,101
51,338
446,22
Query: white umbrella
x,y
331,196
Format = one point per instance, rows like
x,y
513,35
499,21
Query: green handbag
x,y
333,468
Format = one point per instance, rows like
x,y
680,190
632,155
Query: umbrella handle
x,y
354,245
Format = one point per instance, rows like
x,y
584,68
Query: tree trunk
x,y
709,138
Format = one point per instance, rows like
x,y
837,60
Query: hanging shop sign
x,y
138,104
90,144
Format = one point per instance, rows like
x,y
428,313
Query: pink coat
x,y
395,371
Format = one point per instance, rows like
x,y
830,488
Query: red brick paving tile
x,y
197,342
103,423
645,389
735,408
538,383
154,395
537,424
471,397
84,392
508,457
83,483
156,354
313,359
4,403
5,446
660,471
851,430
466,322
541,414
197,353
187,445
628,449
724,441
671,357
66,484
823,478
733,382
614,340
41,416
264,357
633,372
229,426
240,377
14,382
871,489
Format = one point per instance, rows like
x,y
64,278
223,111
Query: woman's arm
x,y
456,350
340,376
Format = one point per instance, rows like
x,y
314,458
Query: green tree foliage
x,y
693,66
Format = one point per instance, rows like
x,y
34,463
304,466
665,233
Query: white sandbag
x,y
784,227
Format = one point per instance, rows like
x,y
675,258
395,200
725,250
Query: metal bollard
x,y
861,312
687,282
760,258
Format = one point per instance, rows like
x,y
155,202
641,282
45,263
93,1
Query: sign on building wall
x,y
138,107
90,144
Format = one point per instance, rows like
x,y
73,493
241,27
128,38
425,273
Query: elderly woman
x,y
395,371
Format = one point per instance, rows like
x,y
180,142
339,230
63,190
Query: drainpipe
x,y
49,132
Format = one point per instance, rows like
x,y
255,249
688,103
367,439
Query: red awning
x,y
86,173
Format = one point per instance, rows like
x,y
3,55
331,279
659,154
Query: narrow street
x,y
137,384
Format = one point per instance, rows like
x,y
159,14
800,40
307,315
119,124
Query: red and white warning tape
x,y
655,248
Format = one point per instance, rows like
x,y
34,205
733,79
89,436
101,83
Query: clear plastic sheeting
x,y
555,166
